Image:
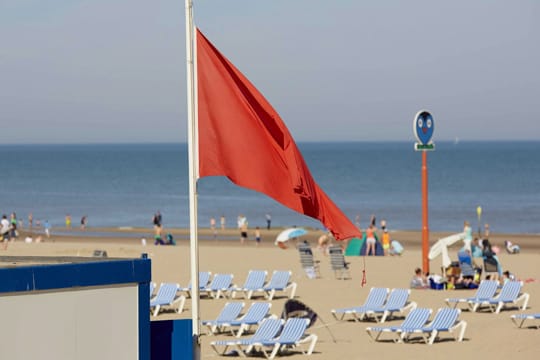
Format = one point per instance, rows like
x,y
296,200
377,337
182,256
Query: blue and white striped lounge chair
x,y
519,319
415,319
292,335
267,330
398,301
257,312
280,281
509,294
255,280
204,279
220,285
229,313
167,296
486,290
445,320
374,300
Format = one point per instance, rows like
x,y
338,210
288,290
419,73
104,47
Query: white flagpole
x,y
193,175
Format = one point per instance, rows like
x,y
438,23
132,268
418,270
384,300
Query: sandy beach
x,y
488,335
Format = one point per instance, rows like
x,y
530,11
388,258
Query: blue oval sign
x,y
423,127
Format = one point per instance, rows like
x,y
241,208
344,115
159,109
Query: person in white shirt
x,y
4,230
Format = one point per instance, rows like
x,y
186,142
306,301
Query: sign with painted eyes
x,y
423,130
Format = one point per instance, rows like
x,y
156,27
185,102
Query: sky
x,y
113,71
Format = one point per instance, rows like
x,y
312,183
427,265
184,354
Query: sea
x,y
123,185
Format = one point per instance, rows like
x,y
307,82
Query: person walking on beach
x,y
257,236
268,221
157,220
47,228
213,227
30,220
13,226
68,221
486,231
83,222
222,221
243,226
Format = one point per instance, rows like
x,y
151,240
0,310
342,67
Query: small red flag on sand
x,y
242,137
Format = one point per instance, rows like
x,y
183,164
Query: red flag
x,y
243,138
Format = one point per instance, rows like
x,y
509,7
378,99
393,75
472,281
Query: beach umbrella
x,y
441,248
287,235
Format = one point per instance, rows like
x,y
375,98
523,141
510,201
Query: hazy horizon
x,y
114,71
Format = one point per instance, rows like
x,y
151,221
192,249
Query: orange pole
x,y
425,226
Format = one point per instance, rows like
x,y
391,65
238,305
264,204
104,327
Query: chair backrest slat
x,y
397,299
376,297
416,318
279,279
293,330
510,291
445,318
255,280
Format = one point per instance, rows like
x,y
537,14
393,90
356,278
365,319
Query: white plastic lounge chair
x,y
486,290
267,330
220,285
445,320
398,301
255,280
280,281
204,279
292,335
510,294
415,319
338,263
519,319
256,313
374,300
167,296
229,313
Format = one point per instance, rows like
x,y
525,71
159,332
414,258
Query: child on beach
x,y
385,238
419,280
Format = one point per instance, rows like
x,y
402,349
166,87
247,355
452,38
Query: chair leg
x,y
463,326
312,343
433,336
292,286
525,298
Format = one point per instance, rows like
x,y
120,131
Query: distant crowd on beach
x,y
11,226
242,225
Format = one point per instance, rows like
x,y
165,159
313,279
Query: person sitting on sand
x,y
395,248
158,240
511,248
419,280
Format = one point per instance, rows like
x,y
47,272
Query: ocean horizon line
x,y
329,142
